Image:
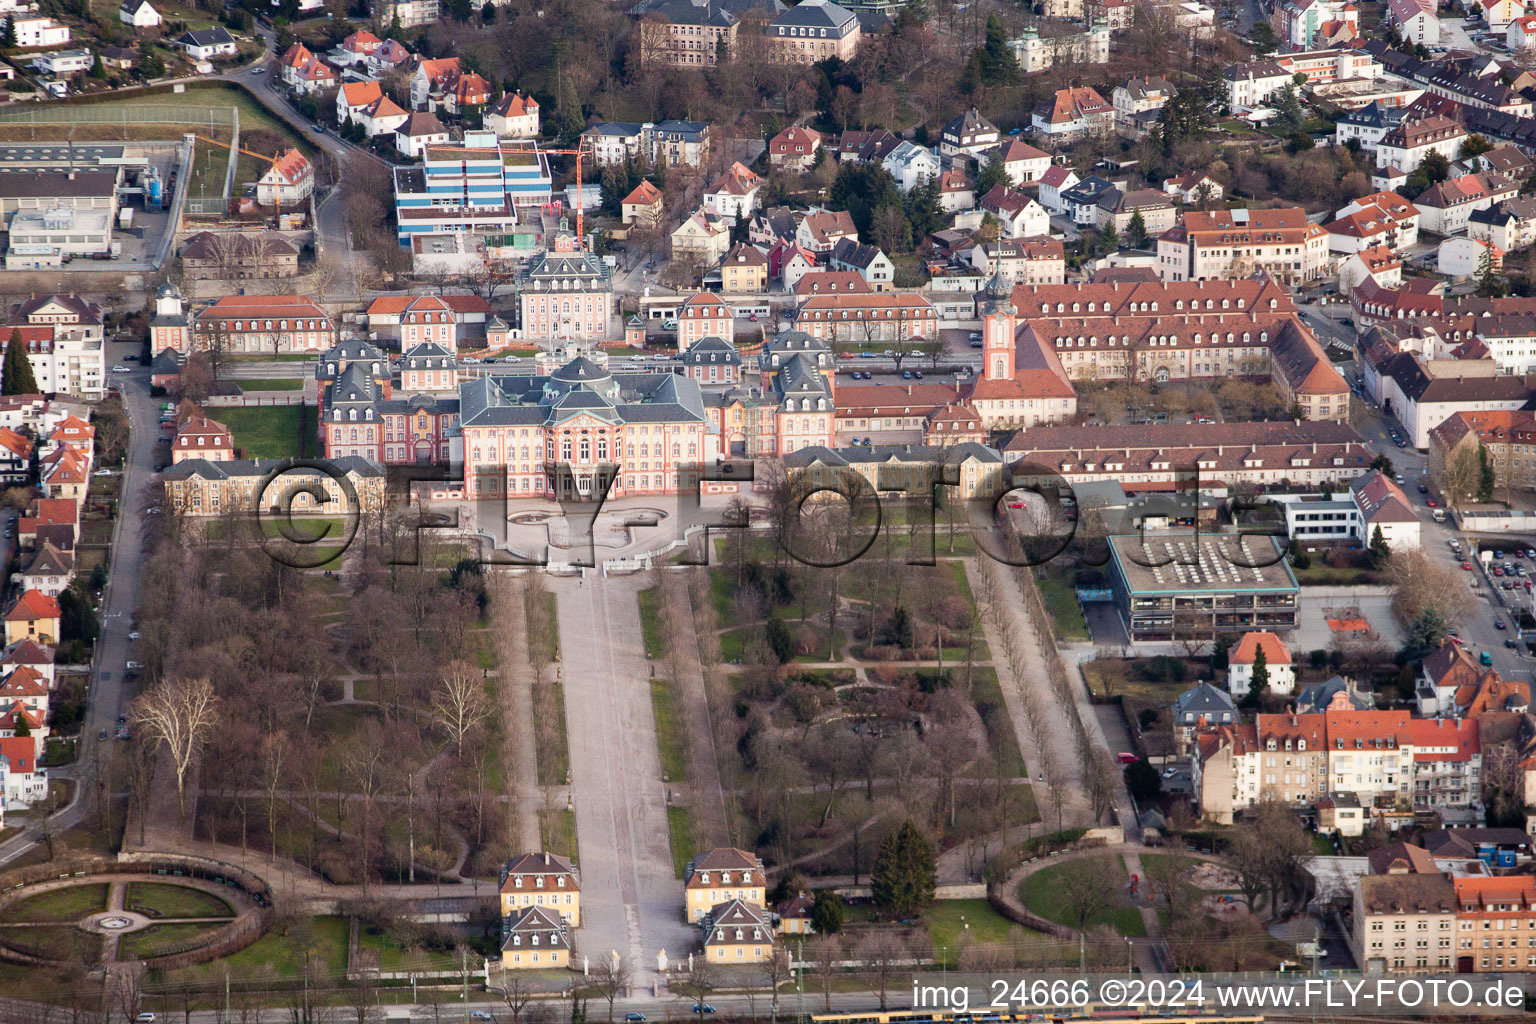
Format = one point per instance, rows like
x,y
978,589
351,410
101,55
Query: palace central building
x,y
518,431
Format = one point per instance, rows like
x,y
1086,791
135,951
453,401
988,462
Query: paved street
x,y
108,695
630,899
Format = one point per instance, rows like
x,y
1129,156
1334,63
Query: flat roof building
x,y
1187,584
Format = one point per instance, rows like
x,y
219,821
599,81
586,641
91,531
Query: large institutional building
x,y
478,186
566,293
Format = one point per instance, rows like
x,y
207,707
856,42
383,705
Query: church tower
x,y
998,322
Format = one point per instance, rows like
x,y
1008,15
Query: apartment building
x,y
1406,144
886,316
1236,243
813,31
1406,923
685,34
1495,924
63,335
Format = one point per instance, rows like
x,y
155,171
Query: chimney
x,y
546,859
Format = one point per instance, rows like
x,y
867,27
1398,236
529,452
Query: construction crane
x,y
579,152
277,199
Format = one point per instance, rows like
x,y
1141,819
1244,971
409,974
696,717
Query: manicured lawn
x,y
1061,603
59,905
55,942
394,957
1005,744
175,901
650,623
680,832
267,432
558,831
733,643
270,384
1042,895
669,738
161,939
551,748
304,529
947,919
324,937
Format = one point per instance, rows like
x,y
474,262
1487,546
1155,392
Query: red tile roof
x,y
31,606
1275,652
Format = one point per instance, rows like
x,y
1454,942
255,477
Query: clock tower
x,y
998,322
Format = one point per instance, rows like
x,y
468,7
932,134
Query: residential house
x,y
22,782
1027,261
39,32
704,238
744,270
1499,13
1378,263
202,438
139,15
543,880
1200,707
911,165
1082,200
64,339
464,93
418,133
1406,144
819,232
353,97
865,260
674,143
1462,258
1242,658
1140,95
956,192
1416,21
733,195
1385,507
1022,162
383,117
1073,114
292,63
1194,188
1055,181
34,616
1254,84
1120,208
47,571
535,939
1018,214
1446,207
356,48
722,875
703,315
737,932
1510,225
289,180
15,456
968,134
208,43
1381,219
514,116
429,79
643,206
794,148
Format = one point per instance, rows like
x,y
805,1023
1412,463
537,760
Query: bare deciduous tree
x,y
180,714
459,703
610,976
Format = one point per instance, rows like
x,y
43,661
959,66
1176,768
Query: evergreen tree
x,y
1143,782
923,211
1490,283
1136,231
1425,635
1435,168
861,189
776,634
1485,479
16,372
1260,679
992,173
827,913
22,728
77,620
1109,238
1289,115
9,40
994,60
904,877
1380,553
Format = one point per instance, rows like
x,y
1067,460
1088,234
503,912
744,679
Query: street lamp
x,y
1130,958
